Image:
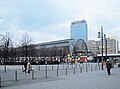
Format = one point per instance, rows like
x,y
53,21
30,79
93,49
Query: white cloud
x,y
115,31
50,19
44,34
51,33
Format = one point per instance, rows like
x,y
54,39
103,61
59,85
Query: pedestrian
x,y
25,66
29,67
108,66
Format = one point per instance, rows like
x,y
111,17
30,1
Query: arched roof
x,y
75,45
80,46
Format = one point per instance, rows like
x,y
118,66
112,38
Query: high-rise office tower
x,y
79,30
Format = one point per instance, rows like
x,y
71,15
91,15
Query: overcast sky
x,y
49,20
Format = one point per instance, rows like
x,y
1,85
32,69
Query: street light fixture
x,y
100,35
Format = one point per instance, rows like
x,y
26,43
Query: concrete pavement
x,y
86,80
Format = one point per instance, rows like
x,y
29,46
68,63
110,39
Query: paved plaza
x,y
80,76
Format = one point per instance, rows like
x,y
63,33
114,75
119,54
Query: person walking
x,y
29,67
25,66
108,66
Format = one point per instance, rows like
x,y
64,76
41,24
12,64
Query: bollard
x,y
83,69
74,70
39,68
46,72
86,66
63,66
58,66
16,75
80,69
95,67
79,65
102,66
99,67
5,68
57,71
0,82
86,69
22,68
32,74
91,68
52,66
66,71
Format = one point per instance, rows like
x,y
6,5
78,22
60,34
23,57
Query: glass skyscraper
x,y
79,30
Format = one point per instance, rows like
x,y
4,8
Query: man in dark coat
x,y
108,66
25,66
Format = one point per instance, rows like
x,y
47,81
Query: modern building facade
x,y
95,46
71,46
79,30
68,48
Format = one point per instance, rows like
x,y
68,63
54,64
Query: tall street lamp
x,y
105,46
100,35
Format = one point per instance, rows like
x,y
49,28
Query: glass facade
x,y
79,30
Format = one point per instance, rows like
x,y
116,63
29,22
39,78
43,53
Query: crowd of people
x,y
28,66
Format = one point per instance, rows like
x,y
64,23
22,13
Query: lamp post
x,y
105,46
100,35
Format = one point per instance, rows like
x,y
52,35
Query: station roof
x,y
73,44
109,55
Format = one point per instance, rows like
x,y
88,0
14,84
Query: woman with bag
x,y
29,67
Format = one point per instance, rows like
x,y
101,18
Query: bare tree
x,y
6,45
25,42
13,53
